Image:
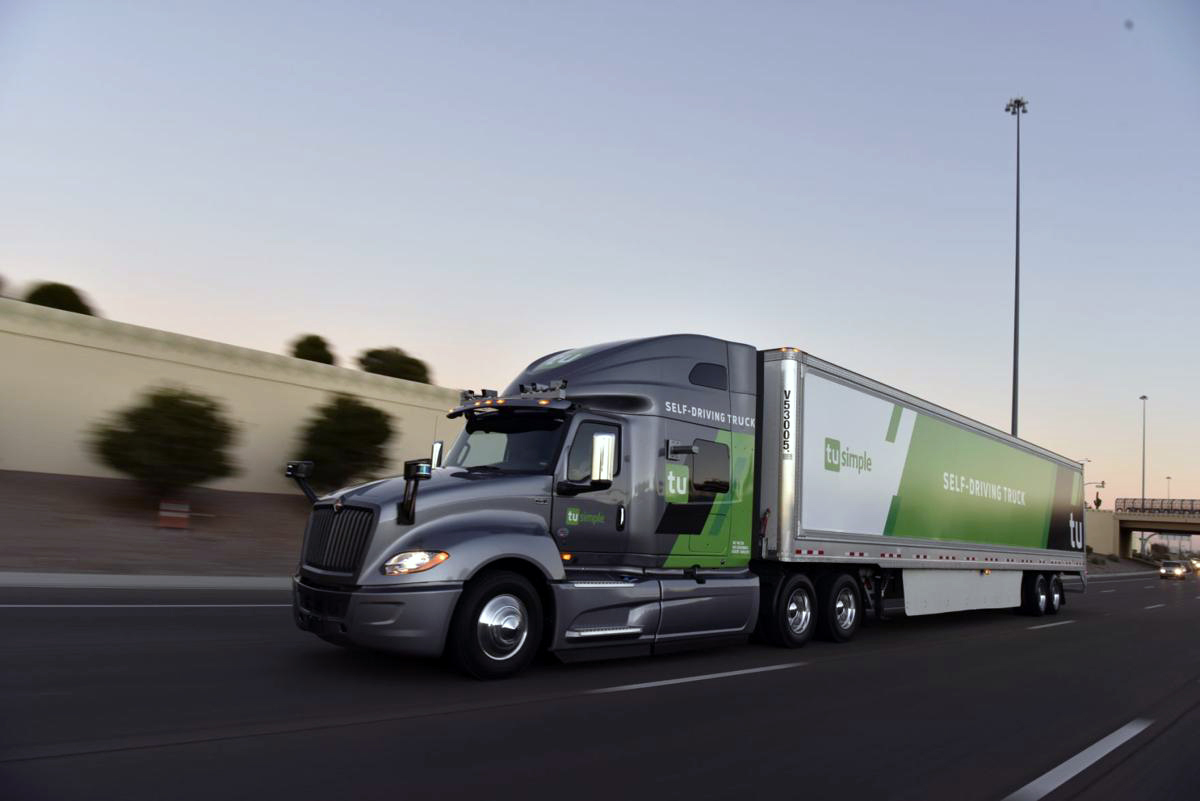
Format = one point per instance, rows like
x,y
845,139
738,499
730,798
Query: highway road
x,y
120,694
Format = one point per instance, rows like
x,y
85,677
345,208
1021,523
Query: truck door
x,y
591,525
697,498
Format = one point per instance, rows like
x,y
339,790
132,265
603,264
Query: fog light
x,y
413,562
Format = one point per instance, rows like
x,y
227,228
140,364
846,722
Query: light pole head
x,y
1018,105
1141,397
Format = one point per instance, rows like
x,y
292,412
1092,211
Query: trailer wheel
x,y
1054,597
793,614
1035,595
841,607
497,626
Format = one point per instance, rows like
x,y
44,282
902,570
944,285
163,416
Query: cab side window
x,y
579,458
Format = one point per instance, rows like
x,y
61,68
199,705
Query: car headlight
x,y
413,562
1162,570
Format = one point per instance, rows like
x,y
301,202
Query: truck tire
x,y
497,626
841,607
792,616
1054,597
1035,594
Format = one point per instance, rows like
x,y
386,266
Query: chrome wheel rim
x,y
502,627
1041,591
845,609
799,611
1056,598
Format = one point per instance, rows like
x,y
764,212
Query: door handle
x,y
621,517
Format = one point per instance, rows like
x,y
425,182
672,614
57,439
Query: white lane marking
x,y
143,606
1051,625
1107,590
688,679
1154,606
1148,587
1051,781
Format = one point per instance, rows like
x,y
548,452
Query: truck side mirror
x,y
435,457
604,456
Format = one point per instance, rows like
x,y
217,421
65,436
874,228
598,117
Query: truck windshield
x,y
509,441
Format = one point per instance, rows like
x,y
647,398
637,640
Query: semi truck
x,y
649,495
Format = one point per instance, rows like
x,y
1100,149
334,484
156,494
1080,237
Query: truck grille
x,y
338,540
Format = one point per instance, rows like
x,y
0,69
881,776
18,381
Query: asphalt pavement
x,y
200,693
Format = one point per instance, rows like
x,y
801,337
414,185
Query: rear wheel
x,y
497,626
841,607
1035,595
792,618
1054,598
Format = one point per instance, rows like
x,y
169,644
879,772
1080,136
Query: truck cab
x,y
602,504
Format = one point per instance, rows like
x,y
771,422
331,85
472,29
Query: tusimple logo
x,y
576,516
1076,531
677,483
833,455
836,458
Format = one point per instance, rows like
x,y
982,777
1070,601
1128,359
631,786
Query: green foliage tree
x,y
345,442
313,348
395,363
170,439
59,296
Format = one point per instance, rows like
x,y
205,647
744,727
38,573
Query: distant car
x,y
1173,570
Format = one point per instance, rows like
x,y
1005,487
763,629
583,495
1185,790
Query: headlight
x,y
1162,570
413,562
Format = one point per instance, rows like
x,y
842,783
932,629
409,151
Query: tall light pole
x,y
1016,107
1168,488
1142,398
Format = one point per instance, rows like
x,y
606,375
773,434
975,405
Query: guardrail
x,y
1158,506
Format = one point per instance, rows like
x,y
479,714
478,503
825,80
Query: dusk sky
x,y
483,183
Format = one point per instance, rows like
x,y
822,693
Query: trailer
x,y
649,495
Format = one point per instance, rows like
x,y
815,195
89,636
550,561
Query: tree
x,y
345,442
169,440
395,363
59,296
313,348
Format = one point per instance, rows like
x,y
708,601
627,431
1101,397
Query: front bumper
x,y
410,620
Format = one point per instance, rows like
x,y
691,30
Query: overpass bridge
x,y
1113,532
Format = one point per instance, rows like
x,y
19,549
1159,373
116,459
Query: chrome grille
x,y
337,540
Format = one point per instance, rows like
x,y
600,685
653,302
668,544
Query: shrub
x,y
59,296
1088,548
345,442
395,363
1096,560
1112,557
169,440
313,348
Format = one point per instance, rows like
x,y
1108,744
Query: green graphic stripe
x,y
894,425
959,485
893,511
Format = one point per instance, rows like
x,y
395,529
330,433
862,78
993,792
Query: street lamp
x,y
1143,399
1016,107
1168,488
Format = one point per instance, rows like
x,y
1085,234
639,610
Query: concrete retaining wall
x,y
63,372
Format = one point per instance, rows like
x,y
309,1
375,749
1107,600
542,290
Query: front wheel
x,y
1035,594
497,626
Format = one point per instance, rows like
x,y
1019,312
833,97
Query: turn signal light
x,y
566,557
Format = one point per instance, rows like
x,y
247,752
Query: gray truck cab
x,y
602,504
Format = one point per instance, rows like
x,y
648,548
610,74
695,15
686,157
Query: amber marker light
x,y
501,401
543,402
566,557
